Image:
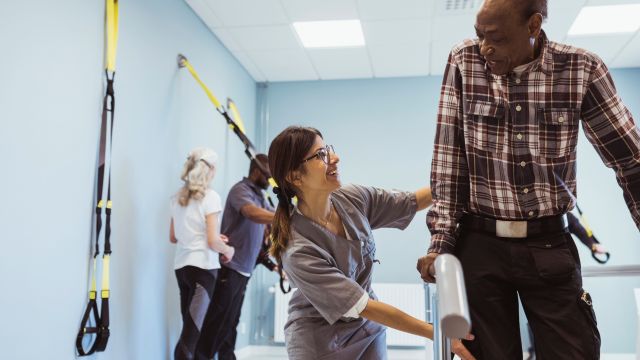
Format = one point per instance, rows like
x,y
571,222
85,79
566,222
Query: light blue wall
x,y
383,130
50,95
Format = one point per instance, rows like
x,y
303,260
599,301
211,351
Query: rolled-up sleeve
x,y
385,208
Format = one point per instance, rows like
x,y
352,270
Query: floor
x,y
279,353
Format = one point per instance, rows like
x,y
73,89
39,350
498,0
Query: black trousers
x,y
544,271
196,290
218,334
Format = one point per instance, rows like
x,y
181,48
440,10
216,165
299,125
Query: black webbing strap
x,y
585,235
99,332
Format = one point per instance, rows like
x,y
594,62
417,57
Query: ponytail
x,y
281,226
196,174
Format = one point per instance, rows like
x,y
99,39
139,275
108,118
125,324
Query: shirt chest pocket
x,y
558,132
485,126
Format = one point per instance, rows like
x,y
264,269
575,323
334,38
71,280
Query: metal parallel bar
x,y
439,340
611,271
448,306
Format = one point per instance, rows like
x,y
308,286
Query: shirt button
x,y
519,136
526,190
561,119
530,213
523,164
518,108
518,81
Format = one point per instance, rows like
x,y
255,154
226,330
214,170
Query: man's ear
x,y
535,25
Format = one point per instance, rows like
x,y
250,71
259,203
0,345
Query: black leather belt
x,y
514,228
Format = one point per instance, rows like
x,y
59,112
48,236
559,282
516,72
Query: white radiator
x,y
406,297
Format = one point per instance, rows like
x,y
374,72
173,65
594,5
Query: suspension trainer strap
x,y
94,326
237,126
587,237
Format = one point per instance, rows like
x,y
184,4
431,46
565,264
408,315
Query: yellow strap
x,y
109,203
235,115
106,259
193,72
230,104
92,290
585,225
112,34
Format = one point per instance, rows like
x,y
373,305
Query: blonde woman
x,y
194,229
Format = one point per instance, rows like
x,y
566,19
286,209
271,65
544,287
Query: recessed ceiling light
x,y
327,34
608,19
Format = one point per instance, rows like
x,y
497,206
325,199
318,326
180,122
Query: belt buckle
x,y
511,229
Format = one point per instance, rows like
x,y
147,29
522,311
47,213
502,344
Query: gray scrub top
x,y
332,273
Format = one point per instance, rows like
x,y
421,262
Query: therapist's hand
x,y
426,268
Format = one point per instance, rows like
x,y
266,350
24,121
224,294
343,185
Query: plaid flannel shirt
x,y
505,145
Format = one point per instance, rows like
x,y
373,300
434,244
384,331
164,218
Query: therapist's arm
x,y
423,197
395,318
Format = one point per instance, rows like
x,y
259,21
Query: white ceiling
x,y
403,37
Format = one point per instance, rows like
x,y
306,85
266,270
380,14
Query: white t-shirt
x,y
190,227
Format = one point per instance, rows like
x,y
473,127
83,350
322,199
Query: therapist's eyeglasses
x,y
323,154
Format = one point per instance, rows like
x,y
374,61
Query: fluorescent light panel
x,y
330,34
608,19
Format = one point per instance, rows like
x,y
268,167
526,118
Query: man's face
x,y
261,180
505,37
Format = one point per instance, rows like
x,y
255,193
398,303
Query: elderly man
x,y
503,178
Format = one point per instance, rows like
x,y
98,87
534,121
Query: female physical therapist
x,y
325,244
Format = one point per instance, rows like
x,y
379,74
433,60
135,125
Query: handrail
x,y
449,305
611,271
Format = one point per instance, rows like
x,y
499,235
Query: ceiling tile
x,y
205,13
248,12
453,29
226,38
314,10
248,65
630,54
561,15
400,60
284,65
605,46
396,9
344,63
610,2
279,37
397,32
404,37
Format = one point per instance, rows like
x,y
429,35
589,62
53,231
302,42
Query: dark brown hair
x,y
530,7
286,154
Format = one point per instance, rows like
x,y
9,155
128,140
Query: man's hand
x,y
425,267
458,348
224,238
